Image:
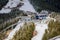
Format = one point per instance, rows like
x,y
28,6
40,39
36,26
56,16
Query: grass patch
x,y
25,32
8,23
54,30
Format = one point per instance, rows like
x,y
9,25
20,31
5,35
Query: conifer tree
x,y
52,5
3,3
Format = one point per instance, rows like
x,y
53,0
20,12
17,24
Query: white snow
x,y
10,4
5,10
27,6
13,3
40,28
57,39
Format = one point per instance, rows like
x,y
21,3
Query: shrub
x,y
54,30
25,32
7,19
8,23
2,36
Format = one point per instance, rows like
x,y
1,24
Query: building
x,y
42,15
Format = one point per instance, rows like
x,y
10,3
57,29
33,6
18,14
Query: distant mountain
x,y
51,5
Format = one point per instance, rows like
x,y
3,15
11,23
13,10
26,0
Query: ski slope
x,y
40,28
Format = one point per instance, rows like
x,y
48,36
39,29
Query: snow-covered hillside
x,y
10,4
27,6
13,3
5,10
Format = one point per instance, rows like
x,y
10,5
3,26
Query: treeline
x,y
52,31
25,32
7,16
7,19
8,23
52,5
3,3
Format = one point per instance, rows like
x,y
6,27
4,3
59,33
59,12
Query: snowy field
x,y
27,6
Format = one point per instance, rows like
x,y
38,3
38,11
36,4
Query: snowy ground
x,y
27,6
57,39
13,3
5,10
40,28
